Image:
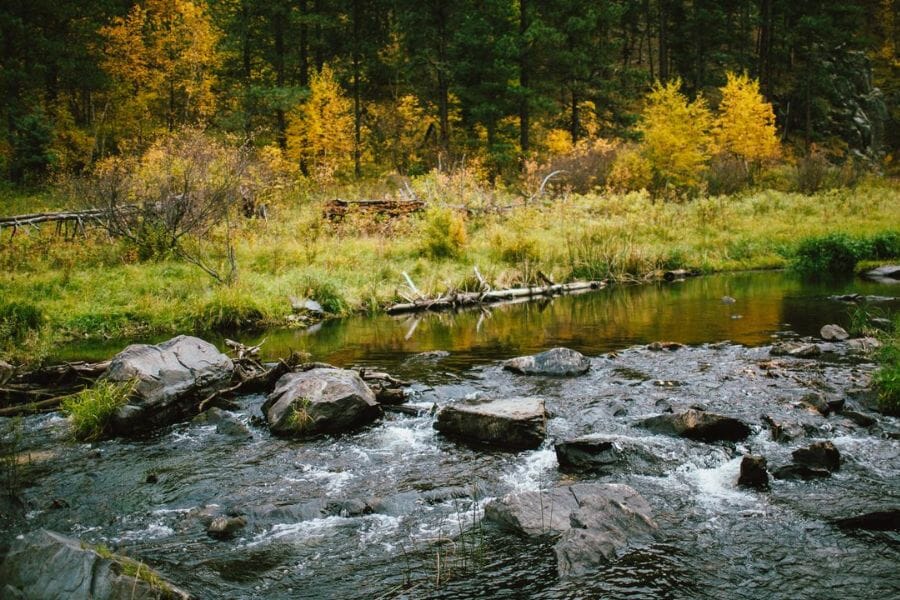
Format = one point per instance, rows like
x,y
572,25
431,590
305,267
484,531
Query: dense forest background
x,y
396,85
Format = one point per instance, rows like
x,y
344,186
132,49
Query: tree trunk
x,y
281,121
524,79
357,112
663,41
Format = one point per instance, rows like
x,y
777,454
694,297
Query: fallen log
x,y
462,299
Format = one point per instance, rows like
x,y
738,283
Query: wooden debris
x,y
337,209
462,299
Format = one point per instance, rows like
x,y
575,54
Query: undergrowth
x,y
91,409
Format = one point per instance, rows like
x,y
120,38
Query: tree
x,y
161,57
320,132
745,126
676,136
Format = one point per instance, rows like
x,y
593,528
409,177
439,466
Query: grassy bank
x,y
97,287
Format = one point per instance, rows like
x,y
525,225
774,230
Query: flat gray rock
x,y
514,423
833,333
594,522
558,362
172,378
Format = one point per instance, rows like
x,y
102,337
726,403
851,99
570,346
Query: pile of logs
x,y
337,209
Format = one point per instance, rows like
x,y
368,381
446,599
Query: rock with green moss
x,y
47,565
171,379
320,401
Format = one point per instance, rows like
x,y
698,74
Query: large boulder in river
x,y
558,362
753,472
171,378
820,455
594,522
322,400
885,274
698,425
50,566
514,423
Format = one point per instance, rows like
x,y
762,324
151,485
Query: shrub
x,y
630,171
834,254
884,245
584,168
326,293
812,171
444,233
514,247
91,409
229,309
887,378
17,319
727,175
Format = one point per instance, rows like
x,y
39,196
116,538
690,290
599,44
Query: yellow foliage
x,y
399,131
746,122
161,57
444,232
677,137
320,130
558,141
630,171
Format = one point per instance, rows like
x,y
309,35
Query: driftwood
x,y
337,209
462,299
68,223
45,388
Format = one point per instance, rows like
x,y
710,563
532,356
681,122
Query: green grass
x,y
94,289
91,409
136,569
887,378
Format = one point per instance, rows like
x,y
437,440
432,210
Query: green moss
x,y
91,409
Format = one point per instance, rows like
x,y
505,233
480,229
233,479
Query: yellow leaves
x,y
399,131
746,122
558,141
161,57
320,130
677,138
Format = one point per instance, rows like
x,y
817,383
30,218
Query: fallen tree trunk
x,y
79,218
450,301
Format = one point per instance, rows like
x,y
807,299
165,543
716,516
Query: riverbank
x,y
95,288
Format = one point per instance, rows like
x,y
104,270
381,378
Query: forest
x,y
360,89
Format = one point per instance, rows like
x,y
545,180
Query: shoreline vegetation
x,y
98,287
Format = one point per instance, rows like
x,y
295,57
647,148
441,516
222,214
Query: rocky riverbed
x,y
655,437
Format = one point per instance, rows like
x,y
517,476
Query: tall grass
x,y
91,409
94,289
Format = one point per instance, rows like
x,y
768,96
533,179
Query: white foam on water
x,y
716,487
375,528
307,532
534,472
408,439
154,531
334,481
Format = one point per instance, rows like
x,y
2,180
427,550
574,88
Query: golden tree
x,y
677,139
746,123
320,130
161,57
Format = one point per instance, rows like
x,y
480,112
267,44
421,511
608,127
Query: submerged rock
x,y
321,400
698,425
605,455
833,333
51,566
861,419
225,528
881,520
172,378
594,522
515,423
803,472
820,455
753,472
558,362
795,349
226,423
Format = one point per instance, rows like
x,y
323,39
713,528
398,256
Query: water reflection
x,y
690,312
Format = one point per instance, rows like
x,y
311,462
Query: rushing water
x,y
309,537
